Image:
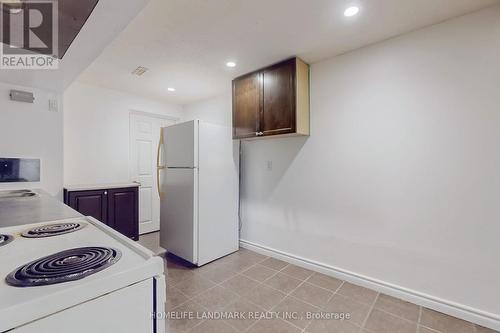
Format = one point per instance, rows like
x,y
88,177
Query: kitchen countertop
x,y
42,208
99,186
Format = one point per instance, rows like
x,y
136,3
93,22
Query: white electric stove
x,y
77,275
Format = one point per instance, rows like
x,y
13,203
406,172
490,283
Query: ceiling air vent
x,y
139,71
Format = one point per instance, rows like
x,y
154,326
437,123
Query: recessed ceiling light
x,y
231,64
351,11
171,89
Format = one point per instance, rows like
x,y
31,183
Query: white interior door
x,y
144,139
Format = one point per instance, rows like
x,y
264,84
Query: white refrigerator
x,y
198,185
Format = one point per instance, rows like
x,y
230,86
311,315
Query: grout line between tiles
x,y
387,312
258,283
286,295
428,328
201,321
419,318
370,311
293,290
262,283
302,281
398,317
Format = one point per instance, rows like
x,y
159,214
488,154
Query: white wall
x,y
216,110
96,132
32,131
400,178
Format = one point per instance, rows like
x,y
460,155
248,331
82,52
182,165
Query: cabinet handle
x,y
105,192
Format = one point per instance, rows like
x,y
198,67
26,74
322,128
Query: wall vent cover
x,y
139,71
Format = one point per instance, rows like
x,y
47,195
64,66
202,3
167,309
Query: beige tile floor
x,y
249,283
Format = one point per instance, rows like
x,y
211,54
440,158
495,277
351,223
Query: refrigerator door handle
x,y
158,166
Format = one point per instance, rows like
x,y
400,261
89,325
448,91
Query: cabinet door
x,y
278,112
123,211
89,203
246,106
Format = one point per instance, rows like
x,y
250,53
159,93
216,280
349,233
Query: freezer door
x,y
181,145
179,213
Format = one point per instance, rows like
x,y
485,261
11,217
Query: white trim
x,y
461,311
154,115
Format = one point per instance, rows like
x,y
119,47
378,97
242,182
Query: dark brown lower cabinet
x,y
123,211
117,207
89,203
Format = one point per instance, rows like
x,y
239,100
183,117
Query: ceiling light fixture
x,y
351,11
171,89
231,64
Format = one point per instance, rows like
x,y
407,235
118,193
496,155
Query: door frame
x,y
135,112
153,115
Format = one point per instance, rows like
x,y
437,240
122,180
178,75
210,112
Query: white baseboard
x,y
461,311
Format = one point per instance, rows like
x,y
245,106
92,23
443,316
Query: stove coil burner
x,y
5,239
70,265
52,230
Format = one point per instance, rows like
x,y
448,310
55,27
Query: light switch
x,y
269,165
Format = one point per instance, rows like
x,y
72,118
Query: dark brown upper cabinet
x,y
272,101
246,100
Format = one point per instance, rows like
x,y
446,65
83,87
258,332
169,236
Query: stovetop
x,y
64,266
85,244
50,230
99,260
5,239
